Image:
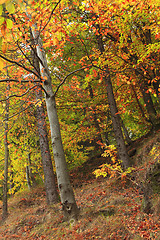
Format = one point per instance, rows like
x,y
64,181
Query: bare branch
x,y
15,95
63,81
16,80
50,16
20,65
24,54
17,113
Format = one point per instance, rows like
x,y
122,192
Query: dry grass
x,y
110,209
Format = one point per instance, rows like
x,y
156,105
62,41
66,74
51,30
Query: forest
x,y
80,119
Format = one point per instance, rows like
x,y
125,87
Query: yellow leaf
x,y
1,9
3,1
10,7
1,64
9,24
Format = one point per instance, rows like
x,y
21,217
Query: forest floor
x,y
110,208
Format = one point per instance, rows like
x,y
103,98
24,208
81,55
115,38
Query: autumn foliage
x,y
103,61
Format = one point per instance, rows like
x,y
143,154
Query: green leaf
x,y
10,7
9,23
2,20
1,9
0,43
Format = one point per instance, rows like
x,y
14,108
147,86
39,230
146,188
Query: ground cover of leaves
x,y
109,209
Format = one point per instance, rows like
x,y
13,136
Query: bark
x,y
5,182
149,103
139,105
156,87
69,205
121,147
32,178
11,182
28,177
49,177
127,137
122,150
156,84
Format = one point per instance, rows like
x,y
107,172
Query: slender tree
x,y
6,159
66,192
49,177
122,150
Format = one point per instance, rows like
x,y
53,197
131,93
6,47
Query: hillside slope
x,y
111,208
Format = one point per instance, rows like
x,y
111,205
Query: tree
x,y
6,159
49,178
66,193
67,196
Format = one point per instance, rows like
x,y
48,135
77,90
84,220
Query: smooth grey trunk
x,y
5,181
69,205
49,177
121,147
32,178
28,177
122,150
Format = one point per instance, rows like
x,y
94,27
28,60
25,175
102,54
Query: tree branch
x,y
16,80
50,17
15,95
63,81
20,65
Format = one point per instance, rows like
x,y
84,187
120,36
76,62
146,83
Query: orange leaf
x,y
4,47
3,28
3,1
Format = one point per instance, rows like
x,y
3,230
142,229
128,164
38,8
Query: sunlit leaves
x,y
1,64
10,7
3,1
69,38
9,23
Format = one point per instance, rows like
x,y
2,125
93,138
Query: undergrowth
x,y
110,208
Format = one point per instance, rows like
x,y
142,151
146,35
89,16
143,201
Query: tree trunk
x,y
127,137
28,177
147,99
122,150
69,205
49,177
156,87
121,147
5,182
149,103
139,105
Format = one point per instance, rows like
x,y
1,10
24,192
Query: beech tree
x,y
50,185
67,196
6,158
122,150
66,193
